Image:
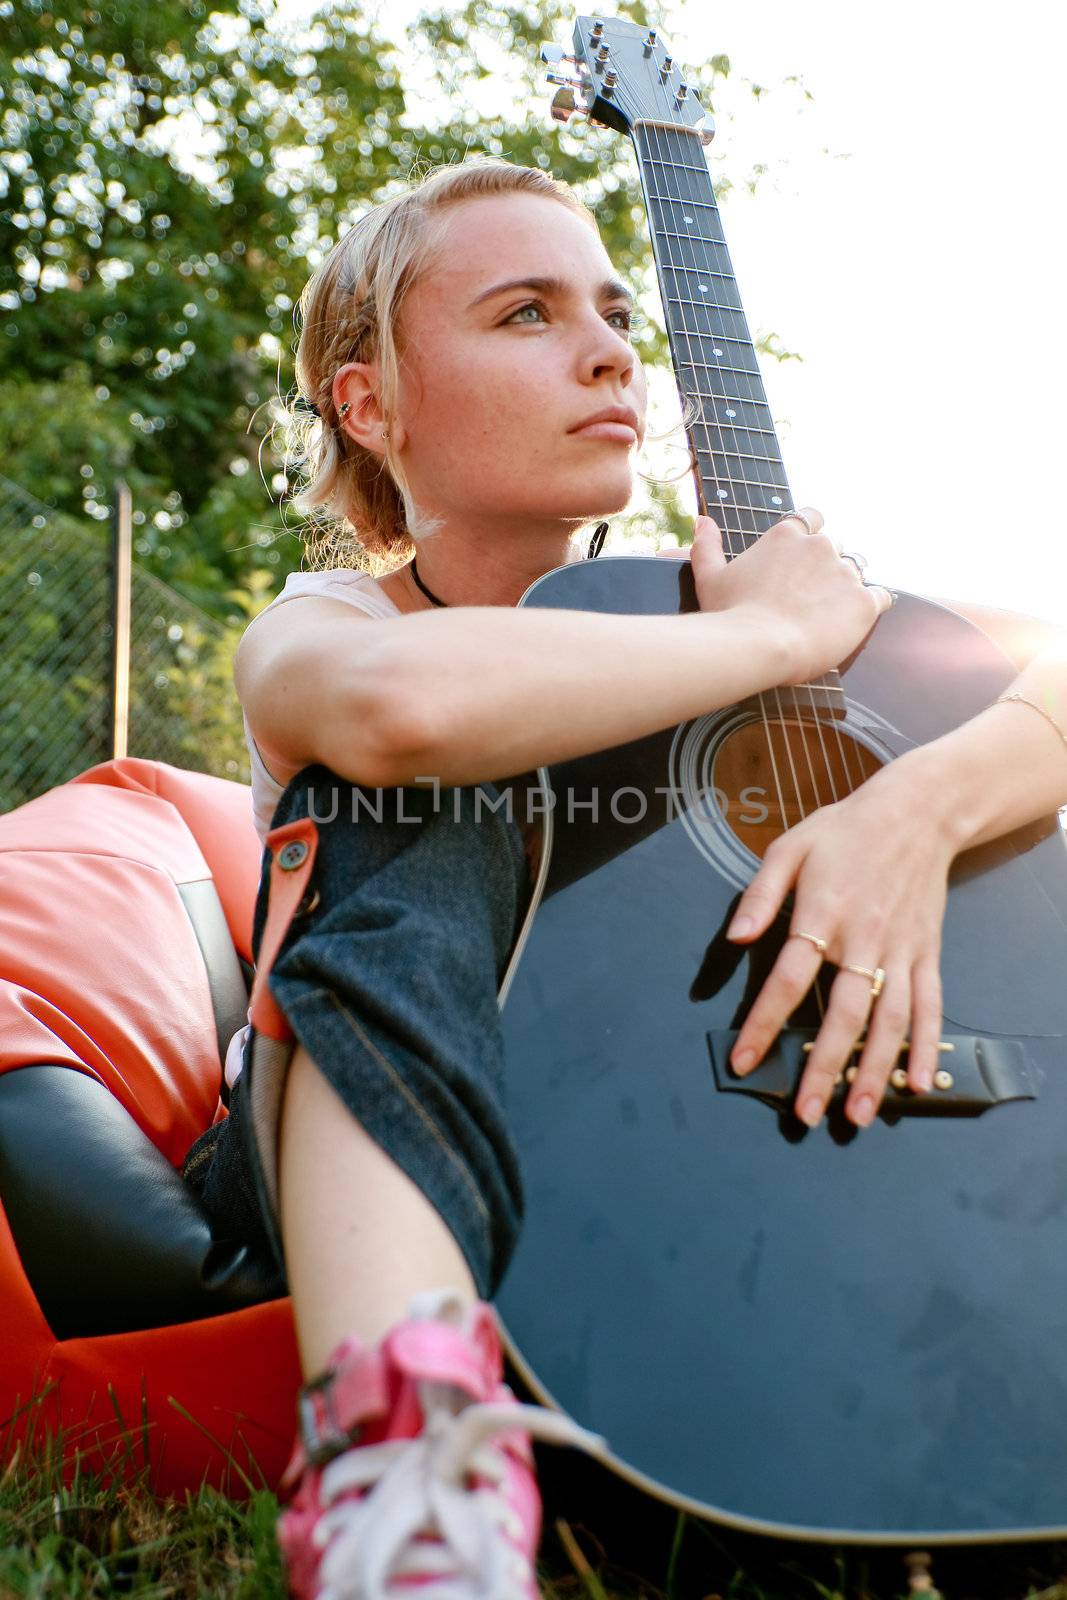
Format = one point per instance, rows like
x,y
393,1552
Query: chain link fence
x,y
55,646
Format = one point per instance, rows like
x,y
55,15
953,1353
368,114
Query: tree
x,y
171,174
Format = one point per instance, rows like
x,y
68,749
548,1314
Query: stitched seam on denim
x,y
388,1067
194,1164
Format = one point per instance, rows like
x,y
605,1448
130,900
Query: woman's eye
x,y
625,320
519,315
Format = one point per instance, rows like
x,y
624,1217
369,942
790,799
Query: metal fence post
x,y
121,585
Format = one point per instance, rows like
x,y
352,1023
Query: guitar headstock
x,y
625,74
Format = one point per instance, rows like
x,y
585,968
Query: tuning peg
x,y
553,54
563,105
707,131
560,78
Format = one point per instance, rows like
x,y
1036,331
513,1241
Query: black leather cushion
x,y
219,1170
111,1238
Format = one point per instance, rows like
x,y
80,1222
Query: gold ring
x,y
876,975
820,944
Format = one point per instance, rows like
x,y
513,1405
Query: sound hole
x,y
770,775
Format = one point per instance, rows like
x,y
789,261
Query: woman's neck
x,y
461,572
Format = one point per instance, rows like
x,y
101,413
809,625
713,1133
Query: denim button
x,y
292,855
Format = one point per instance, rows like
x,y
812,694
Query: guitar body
x,y
855,1335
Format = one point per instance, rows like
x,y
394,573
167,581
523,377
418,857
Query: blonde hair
x,y
359,507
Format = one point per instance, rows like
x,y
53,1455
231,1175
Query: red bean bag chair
x,y
126,902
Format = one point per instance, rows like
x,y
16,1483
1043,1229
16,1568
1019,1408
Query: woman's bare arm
x,y
869,875
1020,637
1004,767
477,693
481,693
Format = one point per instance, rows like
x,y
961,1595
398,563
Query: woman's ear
x,y
357,401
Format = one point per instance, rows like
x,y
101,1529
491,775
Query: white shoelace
x,y
418,1487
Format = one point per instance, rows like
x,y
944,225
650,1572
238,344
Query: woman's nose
x,y
607,354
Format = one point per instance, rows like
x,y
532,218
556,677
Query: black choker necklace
x,y
596,544
434,600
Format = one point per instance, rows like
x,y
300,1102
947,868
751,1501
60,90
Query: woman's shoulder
x,y
345,585
343,593
285,667
348,584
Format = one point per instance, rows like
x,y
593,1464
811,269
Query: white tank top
x,y
357,589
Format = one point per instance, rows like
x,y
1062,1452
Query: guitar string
x,y
755,403
722,493
724,510
820,1005
816,988
650,133
735,484
661,159
761,402
652,137
739,485
780,723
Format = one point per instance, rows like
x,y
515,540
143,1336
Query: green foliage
x,y
169,173
169,176
52,432
55,642
87,1538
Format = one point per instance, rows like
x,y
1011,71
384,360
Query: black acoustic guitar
x,y
857,1336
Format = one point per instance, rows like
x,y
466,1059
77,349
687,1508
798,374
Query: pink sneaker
x,y
415,1467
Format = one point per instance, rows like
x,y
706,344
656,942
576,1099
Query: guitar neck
x,y
740,478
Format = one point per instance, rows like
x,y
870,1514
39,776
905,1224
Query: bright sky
x,y
922,278
908,243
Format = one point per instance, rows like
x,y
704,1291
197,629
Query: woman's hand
x,y
794,582
869,876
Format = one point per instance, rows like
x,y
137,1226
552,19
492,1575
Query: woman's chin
x,y
607,497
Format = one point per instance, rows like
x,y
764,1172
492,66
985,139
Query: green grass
x,y
87,1539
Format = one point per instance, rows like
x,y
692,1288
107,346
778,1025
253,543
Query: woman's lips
x,y
619,432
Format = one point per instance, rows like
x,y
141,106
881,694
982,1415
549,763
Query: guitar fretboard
x,y
740,477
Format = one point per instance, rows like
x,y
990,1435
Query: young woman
x,y
475,398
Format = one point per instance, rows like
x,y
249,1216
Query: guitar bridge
x,y
983,1073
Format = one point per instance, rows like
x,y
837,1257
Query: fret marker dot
x,y
703,288
721,494
776,499
731,413
687,219
717,352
